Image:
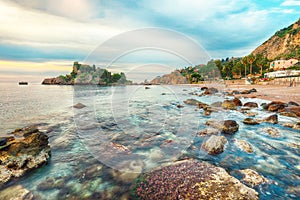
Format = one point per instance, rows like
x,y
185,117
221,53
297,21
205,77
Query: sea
x,y
99,150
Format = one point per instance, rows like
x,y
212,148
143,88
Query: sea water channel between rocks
x,y
99,151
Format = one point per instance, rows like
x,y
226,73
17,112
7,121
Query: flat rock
x,y
214,145
190,179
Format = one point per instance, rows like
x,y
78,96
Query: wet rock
x,y
252,178
274,106
179,106
209,131
253,90
292,103
243,145
235,92
250,121
147,88
216,104
292,109
129,172
204,88
22,155
288,114
227,126
246,92
251,105
163,93
5,140
16,192
214,145
237,101
273,132
211,90
273,119
195,103
229,105
79,106
204,181
206,112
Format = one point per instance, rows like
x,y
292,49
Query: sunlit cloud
x,y
291,3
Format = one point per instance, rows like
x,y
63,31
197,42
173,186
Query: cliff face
x,y
170,79
283,44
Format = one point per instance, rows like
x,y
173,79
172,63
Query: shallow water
x,y
97,151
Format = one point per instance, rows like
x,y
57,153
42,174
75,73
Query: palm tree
x,y
244,61
251,58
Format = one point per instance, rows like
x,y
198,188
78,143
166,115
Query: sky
x,y
42,38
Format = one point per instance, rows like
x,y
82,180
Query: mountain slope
x,y
283,44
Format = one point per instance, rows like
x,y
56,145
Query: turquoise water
x,y
97,151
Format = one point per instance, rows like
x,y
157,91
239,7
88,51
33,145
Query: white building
x,y
283,64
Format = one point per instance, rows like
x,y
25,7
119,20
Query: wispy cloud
x,y
291,3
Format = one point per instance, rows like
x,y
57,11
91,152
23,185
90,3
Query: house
x,y
283,64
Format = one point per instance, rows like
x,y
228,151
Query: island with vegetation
x,y
83,74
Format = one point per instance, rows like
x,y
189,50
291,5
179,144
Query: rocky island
x,y
83,74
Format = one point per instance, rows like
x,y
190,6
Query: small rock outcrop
x,y
23,153
214,145
190,179
273,119
79,106
227,126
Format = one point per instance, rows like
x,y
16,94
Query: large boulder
x,y
214,145
227,126
21,154
190,179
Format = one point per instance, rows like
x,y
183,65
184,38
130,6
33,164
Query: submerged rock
x,y
190,179
214,145
227,126
16,192
250,121
243,145
252,178
273,132
216,104
18,156
79,105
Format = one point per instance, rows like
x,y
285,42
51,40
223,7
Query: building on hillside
x,y
283,64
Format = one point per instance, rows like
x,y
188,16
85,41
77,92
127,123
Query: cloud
x,y
291,3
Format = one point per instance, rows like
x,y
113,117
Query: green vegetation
x,y
85,74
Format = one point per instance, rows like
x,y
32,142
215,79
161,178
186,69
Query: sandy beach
x,y
269,92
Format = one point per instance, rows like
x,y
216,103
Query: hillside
x,y
283,44
88,75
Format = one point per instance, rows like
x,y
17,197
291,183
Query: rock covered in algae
x,y
190,179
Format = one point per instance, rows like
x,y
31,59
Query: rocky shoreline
x,y
27,150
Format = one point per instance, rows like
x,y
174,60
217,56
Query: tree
x,y
251,59
261,61
244,62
